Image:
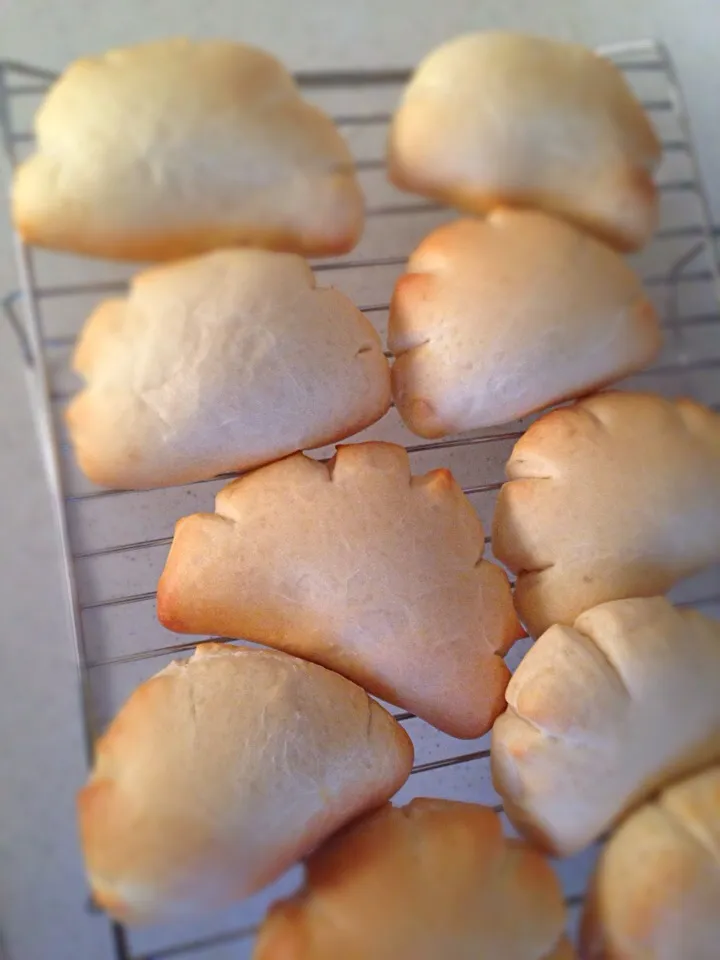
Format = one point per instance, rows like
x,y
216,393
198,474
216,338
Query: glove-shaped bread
x,y
602,714
173,148
501,118
223,770
499,317
435,879
615,496
221,363
656,890
359,566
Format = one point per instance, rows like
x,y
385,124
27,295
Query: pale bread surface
x,y
176,147
502,118
615,496
655,894
500,317
223,770
359,566
435,879
221,363
602,714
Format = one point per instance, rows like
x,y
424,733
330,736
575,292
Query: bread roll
x,y
602,714
432,880
616,496
656,890
359,566
501,118
218,364
176,147
497,318
221,771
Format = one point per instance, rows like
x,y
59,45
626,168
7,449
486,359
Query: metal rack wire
x,y
113,543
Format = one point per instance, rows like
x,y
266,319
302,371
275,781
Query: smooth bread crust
x,y
493,119
360,566
173,148
218,364
433,879
615,496
591,731
222,771
500,317
656,888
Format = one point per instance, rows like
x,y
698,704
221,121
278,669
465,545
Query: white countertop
x,y
41,758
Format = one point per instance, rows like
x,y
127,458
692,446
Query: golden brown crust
x,y
175,245
588,735
484,202
361,567
616,496
433,879
494,119
656,887
497,318
223,152
268,756
221,363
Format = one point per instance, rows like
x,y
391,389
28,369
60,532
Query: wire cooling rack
x,y
113,543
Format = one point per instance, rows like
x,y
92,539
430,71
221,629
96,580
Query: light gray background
x,y
40,748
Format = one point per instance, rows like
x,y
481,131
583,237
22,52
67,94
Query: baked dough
x,y
497,318
177,147
656,890
615,496
502,118
221,771
602,714
218,364
359,566
435,879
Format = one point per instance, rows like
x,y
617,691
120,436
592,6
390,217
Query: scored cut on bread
x,y
499,118
615,496
222,771
500,317
221,363
176,147
433,879
656,888
360,566
602,714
